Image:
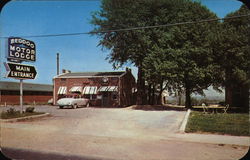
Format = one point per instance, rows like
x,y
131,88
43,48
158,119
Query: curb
x,y
184,122
25,118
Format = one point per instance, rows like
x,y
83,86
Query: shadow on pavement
x,y
157,108
22,154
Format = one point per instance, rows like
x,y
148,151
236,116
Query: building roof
x,y
15,86
91,74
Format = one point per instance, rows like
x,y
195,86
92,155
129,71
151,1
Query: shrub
x,y
12,111
30,109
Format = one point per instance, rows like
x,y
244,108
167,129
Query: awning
x,y
108,89
62,90
90,90
76,89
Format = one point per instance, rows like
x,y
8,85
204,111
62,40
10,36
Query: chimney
x,y
66,71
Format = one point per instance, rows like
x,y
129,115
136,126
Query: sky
x,y
78,53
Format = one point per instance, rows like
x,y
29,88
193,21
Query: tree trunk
x,y
140,100
153,95
179,97
188,97
149,94
159,100
228,87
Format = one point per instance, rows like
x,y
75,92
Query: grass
x,y
16,114
233,123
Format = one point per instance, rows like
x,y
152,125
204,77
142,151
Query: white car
x,y
73,102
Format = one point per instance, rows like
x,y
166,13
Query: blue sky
x,y
77,53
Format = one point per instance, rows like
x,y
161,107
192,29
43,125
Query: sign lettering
x,y
21,49
20,71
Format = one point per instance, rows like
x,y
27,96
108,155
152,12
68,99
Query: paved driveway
x,y
109,133
106,122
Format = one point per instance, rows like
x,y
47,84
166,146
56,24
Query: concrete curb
x,y
184,122
25,118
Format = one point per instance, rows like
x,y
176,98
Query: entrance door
x,y
105,99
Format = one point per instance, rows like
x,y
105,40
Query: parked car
x,y
73,102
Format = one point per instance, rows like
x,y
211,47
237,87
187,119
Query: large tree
x,y
130,46
126,46
183,50
182,56
231,52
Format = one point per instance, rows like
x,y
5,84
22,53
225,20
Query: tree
x,y
246,2
125,46
231,52
130,46
182,58
178,55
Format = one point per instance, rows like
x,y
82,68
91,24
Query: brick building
x,y
32,93
112,89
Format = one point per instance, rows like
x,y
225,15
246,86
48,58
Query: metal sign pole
x,y
21,95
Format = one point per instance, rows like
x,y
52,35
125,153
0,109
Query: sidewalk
x,y
213,138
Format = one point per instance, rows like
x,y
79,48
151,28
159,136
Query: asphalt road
x,y
104,133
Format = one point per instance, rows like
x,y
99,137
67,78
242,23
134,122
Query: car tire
x,y
74,106
61,107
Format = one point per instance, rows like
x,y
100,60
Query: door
x,y
105,99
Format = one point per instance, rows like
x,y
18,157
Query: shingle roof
x,y
26,86
91,74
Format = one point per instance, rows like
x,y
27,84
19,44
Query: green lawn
x,y
233,123
5,115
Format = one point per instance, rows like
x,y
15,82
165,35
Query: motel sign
x,y
21,49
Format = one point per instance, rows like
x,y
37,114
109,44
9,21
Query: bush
x,y
12,111
30,109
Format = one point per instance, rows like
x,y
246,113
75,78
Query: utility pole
x,y
57,62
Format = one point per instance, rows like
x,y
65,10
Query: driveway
x,y
110,134
106,122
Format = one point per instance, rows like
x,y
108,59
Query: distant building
x,y
32,93
111,89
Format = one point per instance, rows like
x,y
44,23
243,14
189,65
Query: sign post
x,y
19,50
21,95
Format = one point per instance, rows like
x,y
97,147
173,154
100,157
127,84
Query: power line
x,y
134,28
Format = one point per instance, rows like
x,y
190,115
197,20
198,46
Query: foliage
x,y
182,56
234,124
231,49
177,55
30,109
192,56
13,113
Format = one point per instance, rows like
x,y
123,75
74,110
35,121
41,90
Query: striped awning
x,y
62,90
108,89
76,89
90,90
